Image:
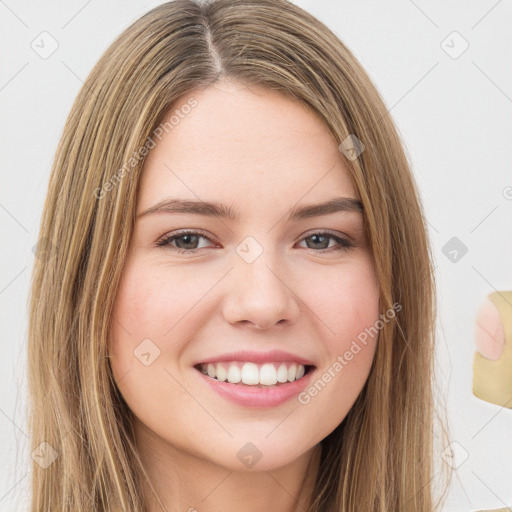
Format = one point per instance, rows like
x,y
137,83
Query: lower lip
x,y
252,396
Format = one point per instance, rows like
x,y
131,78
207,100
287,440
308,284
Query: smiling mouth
x,y
254,375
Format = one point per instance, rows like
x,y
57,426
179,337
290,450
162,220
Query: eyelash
x,y
344,243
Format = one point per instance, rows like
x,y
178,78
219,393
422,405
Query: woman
x,y
191,346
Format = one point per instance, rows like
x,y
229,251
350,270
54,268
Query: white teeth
x,y
222,374
234,374
252,374
268,375
292,372
282,373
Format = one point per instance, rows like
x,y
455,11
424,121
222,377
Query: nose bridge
x,y
259,293
256,267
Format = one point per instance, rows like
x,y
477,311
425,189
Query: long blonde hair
x,y
380,458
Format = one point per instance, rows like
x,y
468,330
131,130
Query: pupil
x,y
316,237
187,237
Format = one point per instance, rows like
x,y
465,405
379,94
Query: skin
x,y
489,334
262,153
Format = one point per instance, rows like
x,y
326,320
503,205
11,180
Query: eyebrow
x,y
213,209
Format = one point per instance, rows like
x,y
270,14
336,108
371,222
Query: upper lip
x,y
257,357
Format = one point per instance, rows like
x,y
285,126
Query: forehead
x,y
244,145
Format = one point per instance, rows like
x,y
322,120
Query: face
x,y
260,294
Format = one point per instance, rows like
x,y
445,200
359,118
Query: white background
x,y
454,116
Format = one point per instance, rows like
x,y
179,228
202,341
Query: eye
x,y
187,240
323,237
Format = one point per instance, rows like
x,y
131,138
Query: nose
x,y
260,293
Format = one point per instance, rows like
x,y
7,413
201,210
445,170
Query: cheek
x,y
146,336
151,306
348,307
345,302
138,324
156,312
